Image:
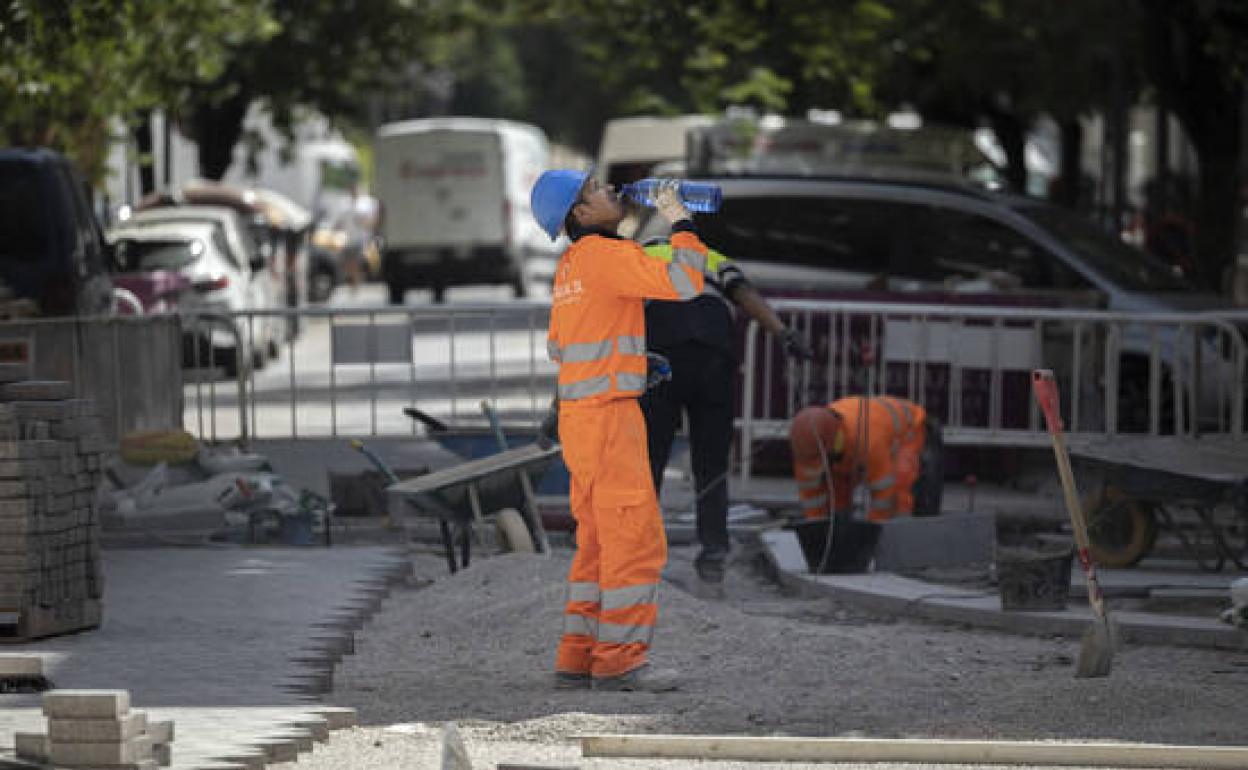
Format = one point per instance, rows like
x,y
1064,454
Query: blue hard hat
x,y
553,194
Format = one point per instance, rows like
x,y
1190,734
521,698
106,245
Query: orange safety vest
x,y
597,319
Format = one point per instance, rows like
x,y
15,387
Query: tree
x,y
1197,60
327,55
69,67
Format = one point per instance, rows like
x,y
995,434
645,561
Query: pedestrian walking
x,y
598,338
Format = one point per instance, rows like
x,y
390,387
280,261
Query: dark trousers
x,y
702,386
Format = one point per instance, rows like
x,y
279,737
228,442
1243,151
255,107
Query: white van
x,y
632,147
454,198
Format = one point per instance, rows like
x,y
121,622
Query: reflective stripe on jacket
x,y
597,319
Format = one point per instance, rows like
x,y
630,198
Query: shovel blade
x,y
1096,652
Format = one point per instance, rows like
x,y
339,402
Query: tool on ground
x,y
530,500
1096,651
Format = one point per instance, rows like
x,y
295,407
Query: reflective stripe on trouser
x,y
621,548
892,493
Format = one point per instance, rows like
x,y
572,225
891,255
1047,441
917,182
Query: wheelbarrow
x,y
465,494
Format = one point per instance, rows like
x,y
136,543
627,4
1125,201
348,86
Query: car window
x,y
22,213
832,233
1123,265
952,246
173,254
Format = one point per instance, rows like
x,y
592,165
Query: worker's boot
x,y
710,584
641,679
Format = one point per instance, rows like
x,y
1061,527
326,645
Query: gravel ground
x,y
477,648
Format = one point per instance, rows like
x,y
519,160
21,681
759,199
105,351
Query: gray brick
x,y
34,747
14,372
103,753
337,717
10,488
86,704
160,731
37,390
13,664
46,410
98,730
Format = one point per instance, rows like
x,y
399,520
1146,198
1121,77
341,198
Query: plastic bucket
x,y
1035,577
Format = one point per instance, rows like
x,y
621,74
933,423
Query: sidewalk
x,y
233,644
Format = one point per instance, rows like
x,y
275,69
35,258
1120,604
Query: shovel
x,y
1096,652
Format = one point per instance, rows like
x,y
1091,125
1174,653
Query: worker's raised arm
x,y
624,269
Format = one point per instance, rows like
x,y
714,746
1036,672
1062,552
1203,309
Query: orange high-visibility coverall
x,y
598,337
884,454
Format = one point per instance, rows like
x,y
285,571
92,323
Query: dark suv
x,y
51,248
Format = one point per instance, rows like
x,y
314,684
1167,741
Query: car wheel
x,y
519,287
439,294
397,292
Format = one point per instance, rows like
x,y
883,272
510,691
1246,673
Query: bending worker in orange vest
x,y
598,337
887,443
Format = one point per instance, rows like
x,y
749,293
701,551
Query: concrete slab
x,y
918,599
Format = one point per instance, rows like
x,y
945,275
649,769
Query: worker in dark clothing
x,y
697,337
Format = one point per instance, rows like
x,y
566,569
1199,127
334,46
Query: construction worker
x,y
698,338
598,338
887,443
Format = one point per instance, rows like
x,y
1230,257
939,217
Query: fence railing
x,y
1120,374
353,370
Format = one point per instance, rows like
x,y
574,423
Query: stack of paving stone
x,y
51,458
96,728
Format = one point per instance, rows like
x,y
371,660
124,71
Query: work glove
x,y
796,347
668,202
658,370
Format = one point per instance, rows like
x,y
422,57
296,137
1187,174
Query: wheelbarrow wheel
x,y
1122,530
513,535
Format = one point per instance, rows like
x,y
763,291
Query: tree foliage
x,y
68,67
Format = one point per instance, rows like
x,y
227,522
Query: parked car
x,y
220,281
454,196
264,291
942,242
52,250
278,225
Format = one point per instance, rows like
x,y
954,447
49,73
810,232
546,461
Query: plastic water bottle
x,y
701,197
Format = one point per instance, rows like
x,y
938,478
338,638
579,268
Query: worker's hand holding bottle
x,y
668,202
796,347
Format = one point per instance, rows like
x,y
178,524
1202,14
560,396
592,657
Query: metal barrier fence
x,y
1119,374
352,371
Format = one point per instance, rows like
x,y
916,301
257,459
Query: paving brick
x,y
317,728
277,749
251,760
160,731
337,717
97,730
37,390
20,665
32,746
86,704
102,754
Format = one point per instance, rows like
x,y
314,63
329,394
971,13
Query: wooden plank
x,y
785,749
511,460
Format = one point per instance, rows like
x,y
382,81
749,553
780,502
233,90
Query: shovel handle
x,y
1044,386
